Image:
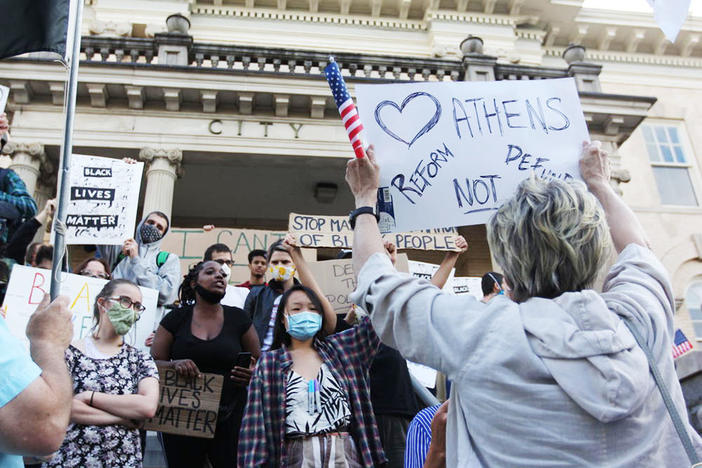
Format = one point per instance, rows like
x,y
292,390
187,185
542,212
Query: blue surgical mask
x,y
304,325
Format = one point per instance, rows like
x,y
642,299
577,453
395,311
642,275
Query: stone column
x,y
163,167
27,159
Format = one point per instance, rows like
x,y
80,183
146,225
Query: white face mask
x,y
281,272
227,272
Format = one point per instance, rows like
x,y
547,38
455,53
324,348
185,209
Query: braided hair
x,y
186,293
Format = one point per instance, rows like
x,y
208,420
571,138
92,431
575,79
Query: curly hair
x,y
551,237
186,293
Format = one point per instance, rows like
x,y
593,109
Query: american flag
x,y
347,109
682,344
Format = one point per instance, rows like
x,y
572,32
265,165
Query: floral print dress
x,y
104,446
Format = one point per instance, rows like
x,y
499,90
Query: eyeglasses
x,y
126,302
94,275
222,261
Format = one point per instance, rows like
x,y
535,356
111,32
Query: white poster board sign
x,y
4,93
424,374
451,153
470,285
426,271
102,206
28,285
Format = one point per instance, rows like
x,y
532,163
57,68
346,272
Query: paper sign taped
x,y
315,231
103,199
186,406
27,287
451,153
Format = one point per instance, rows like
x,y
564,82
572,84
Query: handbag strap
x,y
674,415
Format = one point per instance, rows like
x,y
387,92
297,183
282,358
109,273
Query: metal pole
x,y
67,147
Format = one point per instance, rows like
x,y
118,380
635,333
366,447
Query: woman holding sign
x,y
205,336
309,397
115,385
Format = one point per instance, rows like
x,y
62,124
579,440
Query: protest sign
x,y
186,406
4,93
337,280
425,375
190,244
102,206
426,271
28,285
335,231
451,153
461,285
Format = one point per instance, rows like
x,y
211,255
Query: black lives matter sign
x,y
187,406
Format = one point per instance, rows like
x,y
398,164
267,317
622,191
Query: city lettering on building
x,y
315,231
186,406
450,153
217,127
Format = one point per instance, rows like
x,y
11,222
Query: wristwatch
x,y
359,211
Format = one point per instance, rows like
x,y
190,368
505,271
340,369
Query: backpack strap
x,y
161,258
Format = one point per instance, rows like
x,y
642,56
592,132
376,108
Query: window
x,y
693,299
670,163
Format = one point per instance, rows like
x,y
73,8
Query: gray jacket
x,y
144,271
547,382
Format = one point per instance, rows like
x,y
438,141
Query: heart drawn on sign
x,y
428,126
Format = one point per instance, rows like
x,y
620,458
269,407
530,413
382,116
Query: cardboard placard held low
x,y
335,231
186,406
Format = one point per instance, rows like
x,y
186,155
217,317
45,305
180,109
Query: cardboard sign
x,y
190,244
186,406
28,285
336,279
335,231
451,153
102,205
4,93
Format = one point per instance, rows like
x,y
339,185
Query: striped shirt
x,y
13,191
419,437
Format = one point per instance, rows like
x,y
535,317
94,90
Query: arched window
x,y
693,299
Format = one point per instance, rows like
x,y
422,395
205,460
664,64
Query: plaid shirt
x,y
348,355
13,190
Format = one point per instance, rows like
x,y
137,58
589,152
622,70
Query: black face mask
x,y
209,296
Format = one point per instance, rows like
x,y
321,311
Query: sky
x,y
636,5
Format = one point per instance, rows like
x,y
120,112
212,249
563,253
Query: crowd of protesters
x,y
544,371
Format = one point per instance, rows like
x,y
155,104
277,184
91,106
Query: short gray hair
x,y
550,238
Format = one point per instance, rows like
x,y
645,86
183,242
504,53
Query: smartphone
x,y
243,360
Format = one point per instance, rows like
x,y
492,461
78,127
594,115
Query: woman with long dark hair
x,y
309,400
115,385
205,336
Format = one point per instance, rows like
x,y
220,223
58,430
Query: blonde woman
x,y
554,378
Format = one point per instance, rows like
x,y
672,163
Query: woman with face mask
x,y
115,385
309,399
205,336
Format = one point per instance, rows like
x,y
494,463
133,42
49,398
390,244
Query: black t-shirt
x,y
215,356
390,384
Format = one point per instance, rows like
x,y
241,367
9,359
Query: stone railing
x,y
239,59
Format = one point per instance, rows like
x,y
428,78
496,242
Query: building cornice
x,y
634,58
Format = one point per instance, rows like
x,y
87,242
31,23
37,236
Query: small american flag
x,y
682,344
347,109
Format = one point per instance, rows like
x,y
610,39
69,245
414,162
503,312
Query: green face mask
x,y
122,318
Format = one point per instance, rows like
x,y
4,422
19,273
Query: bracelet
x,y
92,395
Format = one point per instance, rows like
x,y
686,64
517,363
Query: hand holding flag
x,y
347,109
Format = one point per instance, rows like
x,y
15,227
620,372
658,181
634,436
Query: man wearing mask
x,y
222,254
492,285
140,260
262,302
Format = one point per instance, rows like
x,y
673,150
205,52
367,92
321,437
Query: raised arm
x,y
624,226
442,274
307,279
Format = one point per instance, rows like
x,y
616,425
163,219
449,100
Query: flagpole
x,y
74,34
